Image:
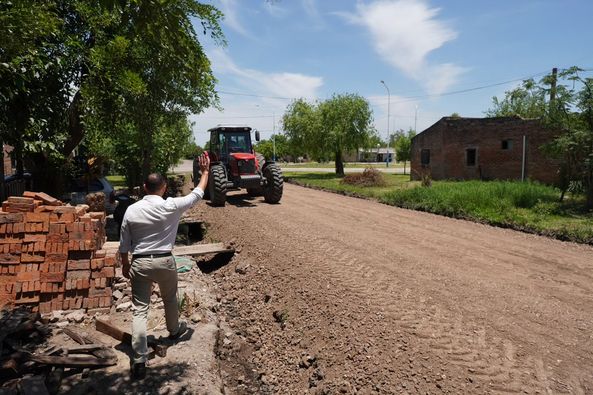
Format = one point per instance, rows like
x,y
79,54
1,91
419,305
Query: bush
x,y
368,178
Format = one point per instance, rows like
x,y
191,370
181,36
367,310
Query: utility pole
x,y
553,85
416,119
274,134
388,116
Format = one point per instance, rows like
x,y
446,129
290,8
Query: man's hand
x,y
204,161
125,265
125,271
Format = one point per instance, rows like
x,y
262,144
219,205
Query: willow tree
x,y
330,128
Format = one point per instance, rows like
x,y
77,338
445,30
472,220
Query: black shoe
x,y
180,331
139,371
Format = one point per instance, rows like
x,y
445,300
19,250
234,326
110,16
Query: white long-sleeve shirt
x,y
150,225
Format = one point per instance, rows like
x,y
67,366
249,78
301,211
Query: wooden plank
x,y
192,250
126,338
202,249
71,361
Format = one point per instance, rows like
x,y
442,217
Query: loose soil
x,y
331,294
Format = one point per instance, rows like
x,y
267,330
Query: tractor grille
x,y
246,166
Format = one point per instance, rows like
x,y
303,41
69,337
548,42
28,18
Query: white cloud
x,y
272,92
282,84
404,33
275,10
229,8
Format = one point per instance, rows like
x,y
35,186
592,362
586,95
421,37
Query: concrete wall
x,y
449,139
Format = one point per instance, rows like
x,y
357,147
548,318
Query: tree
x,y
403,146
569,110
266,147
329,128
133,69
527,101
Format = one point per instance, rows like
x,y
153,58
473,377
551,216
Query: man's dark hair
x,y
154,182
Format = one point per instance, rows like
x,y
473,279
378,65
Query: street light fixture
x,y
388,116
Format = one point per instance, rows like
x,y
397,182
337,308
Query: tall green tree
x,y
330,128
281,144
527,101
570,113
131,69
403,146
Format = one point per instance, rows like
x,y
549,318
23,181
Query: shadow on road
x,y
239,200
208,266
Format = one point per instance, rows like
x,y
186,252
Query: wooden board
x,y
192,250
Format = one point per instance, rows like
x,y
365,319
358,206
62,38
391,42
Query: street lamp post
x,y
388,116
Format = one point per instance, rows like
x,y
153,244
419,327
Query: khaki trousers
x,y
143,272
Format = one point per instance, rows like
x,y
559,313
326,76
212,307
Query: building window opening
x,y
470,156
425,157
507,144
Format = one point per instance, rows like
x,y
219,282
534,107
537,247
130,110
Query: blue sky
x,y
423,50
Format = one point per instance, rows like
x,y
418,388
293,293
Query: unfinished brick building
x,y
504,148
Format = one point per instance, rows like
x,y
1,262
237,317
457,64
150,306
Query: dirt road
x,y
352,296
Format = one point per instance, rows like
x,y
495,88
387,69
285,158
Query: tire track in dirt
x,y
512,309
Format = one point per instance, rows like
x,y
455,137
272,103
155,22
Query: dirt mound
x,y
368,178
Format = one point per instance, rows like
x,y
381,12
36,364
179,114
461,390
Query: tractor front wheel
x,y
274,183
217,185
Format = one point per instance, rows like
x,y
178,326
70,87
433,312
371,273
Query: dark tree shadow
x,y
218,261
101,382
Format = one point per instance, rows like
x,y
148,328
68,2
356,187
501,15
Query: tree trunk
x,y
339,164
404,167
75,127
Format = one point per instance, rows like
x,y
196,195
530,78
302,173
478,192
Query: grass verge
x,y
352,165
529,207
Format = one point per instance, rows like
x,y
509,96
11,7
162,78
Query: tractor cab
x,y
225,141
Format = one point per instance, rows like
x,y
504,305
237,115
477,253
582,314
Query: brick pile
x,y
51,256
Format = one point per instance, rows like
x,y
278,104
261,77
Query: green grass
x,y
332,182
117,181
331,165
528,206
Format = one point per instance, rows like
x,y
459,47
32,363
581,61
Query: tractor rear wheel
x,y
217,185
274,185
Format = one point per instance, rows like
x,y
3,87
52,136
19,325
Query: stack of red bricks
x,y
51,256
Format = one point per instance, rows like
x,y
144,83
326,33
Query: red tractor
x,y
235,165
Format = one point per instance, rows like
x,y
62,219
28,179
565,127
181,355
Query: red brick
x,y
10,240
110,261
10,259
28,276
79,264
45,307
57,229
52,277
100,291
20,200
97,264
31,238
37,218
36,257
78,274
56,258
18,227
47,199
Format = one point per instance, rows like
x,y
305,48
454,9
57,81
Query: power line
x,y
408,98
